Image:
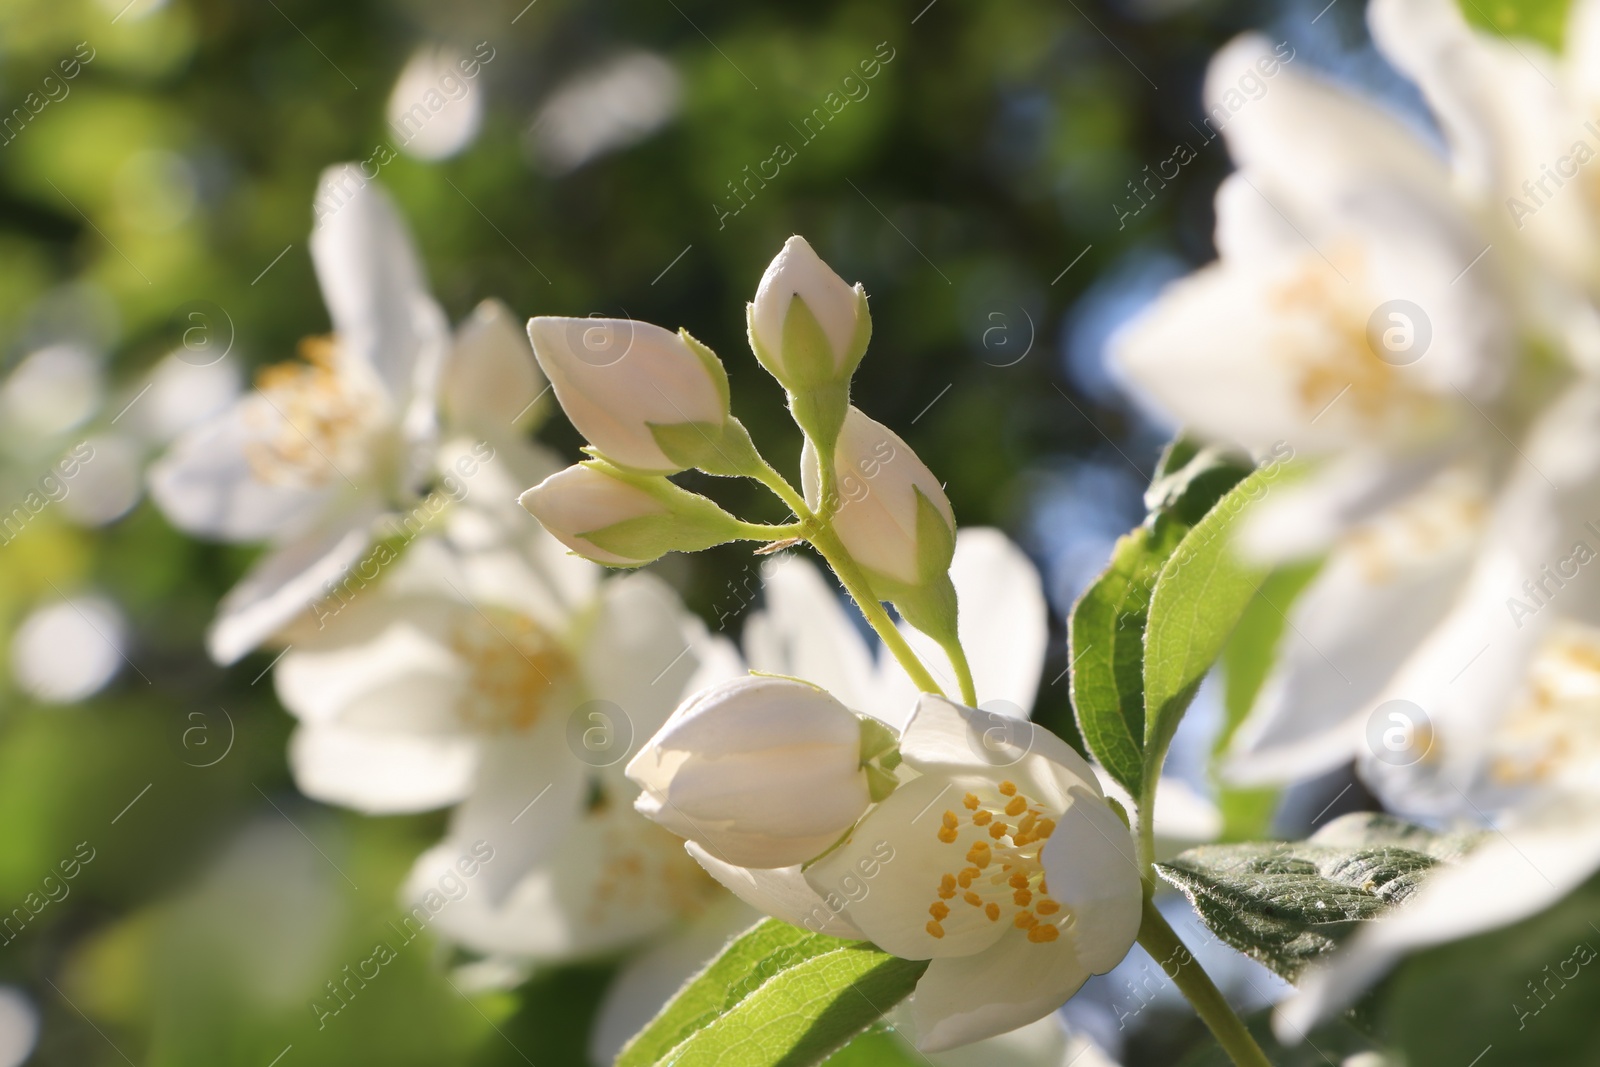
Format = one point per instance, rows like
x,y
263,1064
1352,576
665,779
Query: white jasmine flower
x,y
323,447
508,682
1017,881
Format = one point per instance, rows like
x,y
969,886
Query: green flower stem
x,y
1145,835
958,658
1168,950
832,549
755,531
821,536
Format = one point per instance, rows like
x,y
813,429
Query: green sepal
x,y
713,365
724,450
876,739
688,522
808,359
863,335
880,783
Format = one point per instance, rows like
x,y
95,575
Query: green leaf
x,y
1199,596
878,1047
1106,631
1106,647
777,995
1246,659
1532,991
1286,904
1544,21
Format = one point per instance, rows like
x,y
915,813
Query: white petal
x,y
284,584
528,794
373,641
106,487
945,738
1090,864
895,853
207,485
781,892
19,1027
804,632
1505,114
490,378
609,881
642,650
1380,593
382,772
373,284
1012,983
433,110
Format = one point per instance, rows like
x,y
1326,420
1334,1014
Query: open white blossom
x,y
324,446
1015,878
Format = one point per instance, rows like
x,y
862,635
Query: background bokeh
x,y
981,186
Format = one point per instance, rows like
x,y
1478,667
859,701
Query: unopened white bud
x,y
808,328
621,382
761,772
625,520
889,509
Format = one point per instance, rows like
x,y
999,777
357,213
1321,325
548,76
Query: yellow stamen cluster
x,y
313,429
514,669
1003,869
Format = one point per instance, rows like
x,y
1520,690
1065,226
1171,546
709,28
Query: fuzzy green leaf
x,y
1287,904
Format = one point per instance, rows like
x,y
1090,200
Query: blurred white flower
x,y
109,485
610,106
1423,332
508,681
51,391
436,107
325,447
67,651
19,1027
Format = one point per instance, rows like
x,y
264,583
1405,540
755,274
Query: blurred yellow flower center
x,y
997,837
644,869
315,424
1323,318
515,670
1552,735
